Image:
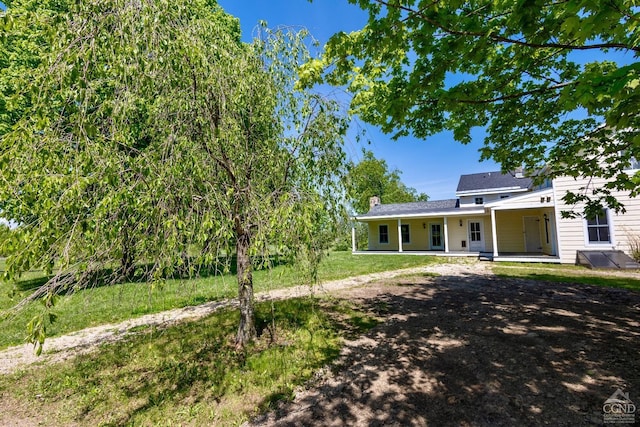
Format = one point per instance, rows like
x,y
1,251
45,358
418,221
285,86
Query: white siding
x,y
538,199
466,201
571,232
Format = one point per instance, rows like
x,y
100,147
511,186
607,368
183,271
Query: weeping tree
x,y
154,137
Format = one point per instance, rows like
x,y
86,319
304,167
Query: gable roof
x,y
482,182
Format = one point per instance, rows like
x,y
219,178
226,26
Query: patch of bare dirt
x,y
471,349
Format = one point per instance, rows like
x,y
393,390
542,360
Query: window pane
x,y
404,229
598,229
384,234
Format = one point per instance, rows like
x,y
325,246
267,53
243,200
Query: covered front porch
x,y
485,256
449,235
524,228
518,229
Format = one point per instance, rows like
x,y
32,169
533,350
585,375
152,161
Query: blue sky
x,y
432,166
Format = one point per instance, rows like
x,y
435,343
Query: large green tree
x,y
372,177
151,132
552,82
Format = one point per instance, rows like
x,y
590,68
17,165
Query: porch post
x,y
353,239
446,235
494,234
399,235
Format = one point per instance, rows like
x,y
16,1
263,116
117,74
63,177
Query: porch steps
x,y
606,259
485,256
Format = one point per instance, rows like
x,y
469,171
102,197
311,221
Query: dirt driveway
x,y
457,346
471,349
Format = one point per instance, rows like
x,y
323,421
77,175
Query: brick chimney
x,y
374,201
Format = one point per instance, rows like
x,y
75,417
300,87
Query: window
x,y
504,197
383,233
479,200
404,230
436,236
598,228
633,162
474,228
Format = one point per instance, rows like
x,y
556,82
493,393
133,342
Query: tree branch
x,y
505,97
502,39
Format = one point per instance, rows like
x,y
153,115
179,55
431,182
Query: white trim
x,y
457,212
492,191
446,235
556,224
503,204
399,235
353,240
494,232
482,242
610,244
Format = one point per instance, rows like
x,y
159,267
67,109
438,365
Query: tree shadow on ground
x,y
479,351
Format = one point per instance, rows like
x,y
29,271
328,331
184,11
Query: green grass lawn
x,y
116,303
191,374
566,274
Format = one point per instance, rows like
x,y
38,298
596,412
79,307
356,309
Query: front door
x,y
532,242
435,236
476,236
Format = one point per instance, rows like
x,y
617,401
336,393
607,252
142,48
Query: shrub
x,y
634,247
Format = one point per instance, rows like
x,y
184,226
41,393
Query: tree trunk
x,y
128,257
247,327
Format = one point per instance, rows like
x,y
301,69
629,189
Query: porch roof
x,y
433,208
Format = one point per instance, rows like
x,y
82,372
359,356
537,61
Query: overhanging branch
x,y
508,40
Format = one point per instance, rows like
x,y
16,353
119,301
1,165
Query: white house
x,y
501,217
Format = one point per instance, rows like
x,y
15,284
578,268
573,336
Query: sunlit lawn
x,y
109,304
567,274
191,374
